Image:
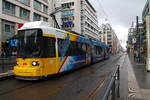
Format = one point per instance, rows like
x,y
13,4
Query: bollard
x,y
3,68
118,79
114,91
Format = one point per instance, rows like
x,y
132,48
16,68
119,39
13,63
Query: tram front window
x,y
29,43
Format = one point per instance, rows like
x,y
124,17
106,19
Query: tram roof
x,y
38,24
47,29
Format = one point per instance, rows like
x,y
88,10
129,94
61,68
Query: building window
x,y
67,13
109,35
45,1
8,8
37,5
8,30
45,9
24,13
45,19
36,17
70,18
67,5
27,2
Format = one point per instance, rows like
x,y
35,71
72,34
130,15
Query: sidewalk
x,y
135,81
6,66
142,77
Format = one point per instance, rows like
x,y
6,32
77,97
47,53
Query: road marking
x,y
54,91
93,93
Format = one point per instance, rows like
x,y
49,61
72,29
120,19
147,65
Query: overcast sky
x,y
120,13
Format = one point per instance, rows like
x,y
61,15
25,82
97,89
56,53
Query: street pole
x,y
148,42
139,40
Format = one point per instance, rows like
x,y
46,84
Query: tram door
x,y
88,54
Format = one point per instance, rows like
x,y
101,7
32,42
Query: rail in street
x,y
85,83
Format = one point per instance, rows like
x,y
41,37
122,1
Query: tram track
x,y
11,88
9,91
84,77
94,92
91,69
14,86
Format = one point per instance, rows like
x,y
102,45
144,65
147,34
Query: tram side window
x,y
94,50
103,50
71,50
60,45
49,47
80,49
75,49
99,50
88,48
107,50
63,46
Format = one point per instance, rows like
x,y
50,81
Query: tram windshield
x,y
29,43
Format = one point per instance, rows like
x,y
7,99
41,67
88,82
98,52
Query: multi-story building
x,y
145,13
115,43
146,33
131,40
136,42
107,34
103,37
80,17
14,12
146,10
109,37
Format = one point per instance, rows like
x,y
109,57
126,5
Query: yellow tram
x,y
43,51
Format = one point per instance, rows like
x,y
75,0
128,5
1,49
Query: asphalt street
x,y
83,84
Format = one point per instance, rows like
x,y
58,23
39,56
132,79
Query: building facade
x,y
80,17
107,34
136,43
15,12
131,40
145,14
146,33
109,37
146,10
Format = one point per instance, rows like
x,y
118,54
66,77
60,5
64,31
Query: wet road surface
x,y
83,84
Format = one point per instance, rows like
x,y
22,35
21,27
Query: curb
x,y
6,74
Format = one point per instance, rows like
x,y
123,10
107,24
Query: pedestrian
x,y
134,53
14,51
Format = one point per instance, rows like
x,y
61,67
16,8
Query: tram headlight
x,y
35,63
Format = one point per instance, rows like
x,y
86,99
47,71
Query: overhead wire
x,y
104,14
